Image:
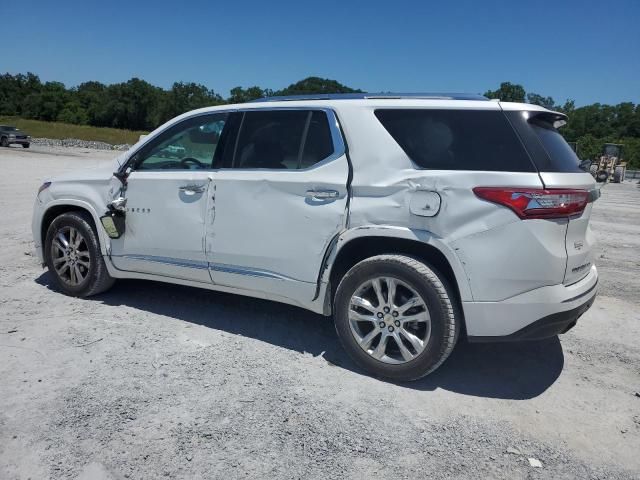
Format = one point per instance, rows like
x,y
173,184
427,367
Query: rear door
x,y
558,167
280,198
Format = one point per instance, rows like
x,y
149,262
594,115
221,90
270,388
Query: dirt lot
x,y
152,380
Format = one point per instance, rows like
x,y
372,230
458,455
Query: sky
x,y
588,50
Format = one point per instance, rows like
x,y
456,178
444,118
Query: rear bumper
x,y
533,315
546,327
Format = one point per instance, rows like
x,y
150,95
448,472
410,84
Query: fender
x,y
394,232
105,243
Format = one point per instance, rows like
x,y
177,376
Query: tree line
x,y
139,105
132,105
590,126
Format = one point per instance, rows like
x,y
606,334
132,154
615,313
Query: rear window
x,y
457,139
549,150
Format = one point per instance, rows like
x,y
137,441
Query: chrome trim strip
x,y
339,146
168,261
225,268
218,267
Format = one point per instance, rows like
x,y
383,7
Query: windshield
x,y
10,129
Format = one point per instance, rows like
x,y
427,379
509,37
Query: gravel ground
x,y
151,380
76,143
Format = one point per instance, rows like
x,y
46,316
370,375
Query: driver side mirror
x,y
113,220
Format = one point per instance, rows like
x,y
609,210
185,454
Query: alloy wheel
x,y
389,320
70,256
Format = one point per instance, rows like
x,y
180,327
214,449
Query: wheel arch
x,y
364,242
57,208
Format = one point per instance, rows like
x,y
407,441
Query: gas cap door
x,y
424,203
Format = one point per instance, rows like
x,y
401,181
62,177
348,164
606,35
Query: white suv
x,y
410,219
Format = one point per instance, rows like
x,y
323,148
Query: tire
x,y
618,174
593,170
4,142
96,279
412,277
26,145
602,176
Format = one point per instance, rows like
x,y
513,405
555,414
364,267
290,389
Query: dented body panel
x,y
164,225
263,233
268,233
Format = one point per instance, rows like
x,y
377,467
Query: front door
x,y
168,202
279,201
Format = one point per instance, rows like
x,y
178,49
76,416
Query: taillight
x,y
530,203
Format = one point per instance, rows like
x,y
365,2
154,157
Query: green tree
x,y
184,97
46,103
73,112
508,92
242,95
536,99
312,85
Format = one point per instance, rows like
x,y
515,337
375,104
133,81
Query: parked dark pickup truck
x,y
10,135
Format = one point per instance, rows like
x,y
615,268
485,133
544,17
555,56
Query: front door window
x,y
189,145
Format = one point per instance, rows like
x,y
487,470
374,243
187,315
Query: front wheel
x,y
396,317
72,253
4,142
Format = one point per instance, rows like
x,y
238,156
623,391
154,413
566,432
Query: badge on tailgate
x,y
424,203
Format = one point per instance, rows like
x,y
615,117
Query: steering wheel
x,y
187,161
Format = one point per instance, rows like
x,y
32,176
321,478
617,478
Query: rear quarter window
x,y
480,140
549,150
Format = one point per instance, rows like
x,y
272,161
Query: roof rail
x,y
364,96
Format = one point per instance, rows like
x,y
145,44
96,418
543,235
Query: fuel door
x,y
424,203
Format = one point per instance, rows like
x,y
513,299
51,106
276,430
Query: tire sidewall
x,y
79,222
430,356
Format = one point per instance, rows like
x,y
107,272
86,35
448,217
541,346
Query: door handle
x,y
192,189
322,194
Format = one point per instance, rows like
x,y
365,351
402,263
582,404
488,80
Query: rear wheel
x,y
593,170
26,145
72,254
396,317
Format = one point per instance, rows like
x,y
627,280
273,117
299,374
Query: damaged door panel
x,y
269,234
279,203
164,225
532,253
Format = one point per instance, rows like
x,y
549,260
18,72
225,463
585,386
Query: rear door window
x,y
282,139
457,139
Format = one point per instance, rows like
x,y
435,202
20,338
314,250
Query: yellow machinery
x,y
610,166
